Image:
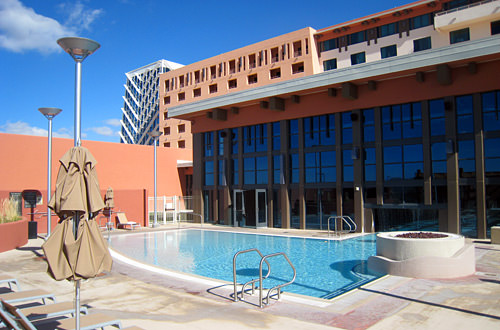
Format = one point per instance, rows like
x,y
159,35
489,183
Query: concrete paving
x,y
154,301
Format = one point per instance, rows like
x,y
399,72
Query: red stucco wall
x,y
128,169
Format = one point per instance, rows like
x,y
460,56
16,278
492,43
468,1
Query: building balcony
x,y
464,16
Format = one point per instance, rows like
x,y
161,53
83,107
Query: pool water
x,y
325,268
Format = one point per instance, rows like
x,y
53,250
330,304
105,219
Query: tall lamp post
x,y
155,135
78,49
49,113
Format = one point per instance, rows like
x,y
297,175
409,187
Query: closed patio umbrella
x,y
76,249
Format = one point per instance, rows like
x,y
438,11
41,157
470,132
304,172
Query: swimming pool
x,y
325,268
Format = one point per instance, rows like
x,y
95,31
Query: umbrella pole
x,y
77,304
76,220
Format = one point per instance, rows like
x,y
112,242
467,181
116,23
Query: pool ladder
x,y
263,259
341,221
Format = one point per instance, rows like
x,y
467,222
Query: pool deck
x,y
152,301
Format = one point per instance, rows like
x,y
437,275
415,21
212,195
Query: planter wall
x,y
13,235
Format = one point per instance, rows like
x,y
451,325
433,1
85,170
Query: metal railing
x,y
344,220
276,288
251,281
464,7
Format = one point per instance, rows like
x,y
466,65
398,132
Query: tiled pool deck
x,y
152,301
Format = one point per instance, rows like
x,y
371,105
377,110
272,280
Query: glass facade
x,y
311,162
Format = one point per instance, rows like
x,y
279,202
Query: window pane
x,y
413,153
421,44
388,51
393,172
358,58
459,36
393,154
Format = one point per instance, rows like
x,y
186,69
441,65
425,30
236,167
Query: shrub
x,y
8,210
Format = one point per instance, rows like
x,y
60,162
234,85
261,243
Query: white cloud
x,y
22,29
24,128
79,16
104,130
113,122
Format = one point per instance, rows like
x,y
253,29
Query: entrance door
x,y
261,207
239,208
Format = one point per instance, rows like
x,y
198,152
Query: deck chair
x,y
9,280
16,319
124,223
27,295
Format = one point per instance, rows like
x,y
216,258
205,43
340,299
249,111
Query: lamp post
x,y
49,113
78,49
155,135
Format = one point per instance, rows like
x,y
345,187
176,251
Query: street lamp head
x,y
78,48
155,134
49,113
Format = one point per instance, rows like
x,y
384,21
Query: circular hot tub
x,y
402,248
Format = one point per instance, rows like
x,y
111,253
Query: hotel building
x,y
140,112
391,119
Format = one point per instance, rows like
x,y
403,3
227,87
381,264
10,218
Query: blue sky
x,y
35,72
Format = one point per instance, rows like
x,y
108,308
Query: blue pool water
x,y
325,268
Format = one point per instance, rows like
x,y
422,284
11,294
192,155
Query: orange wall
x,y
128,169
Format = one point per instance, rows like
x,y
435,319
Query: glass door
x,y
239,208
261,207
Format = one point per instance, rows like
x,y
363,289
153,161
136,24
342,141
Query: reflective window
x,y
277,169
436,114
234,141
222,173
368,125
330,64
320,167
491,111
276,135
357,37
393,158
388,51
370,165
220,137
465,120
209,173
348,172
255,170
294,133
294,168
466,159
209,144
346,128
255,138
319,131
492,157
459,36
388,29
413,161
421,21
438,156
422,44
402,121
358,58
328,45
236,178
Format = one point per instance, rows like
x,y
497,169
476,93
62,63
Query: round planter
x,y
398,248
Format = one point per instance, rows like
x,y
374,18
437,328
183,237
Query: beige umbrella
x,y
77,201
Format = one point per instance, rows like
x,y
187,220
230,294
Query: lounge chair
x,y
17,320
124,223
9,280
27,295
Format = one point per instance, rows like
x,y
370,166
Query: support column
x,y
452,167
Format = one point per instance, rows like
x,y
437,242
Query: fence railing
x,y
172,209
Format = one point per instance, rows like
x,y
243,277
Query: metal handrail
x,y
277,287
251,281
345,219
463,7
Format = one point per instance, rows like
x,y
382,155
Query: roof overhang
x,y
392,66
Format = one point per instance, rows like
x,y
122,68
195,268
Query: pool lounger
x,y
9,280
16,319
52,310
28,295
